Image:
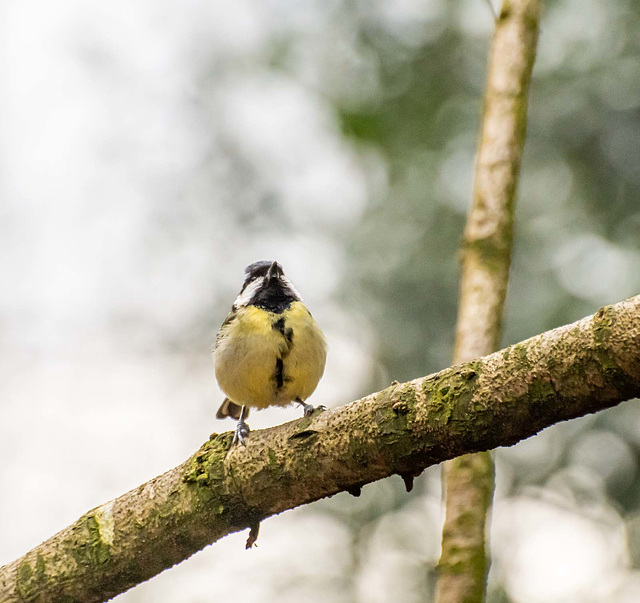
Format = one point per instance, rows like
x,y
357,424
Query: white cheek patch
x,y
287,283
246,295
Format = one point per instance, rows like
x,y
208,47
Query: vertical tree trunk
x,y
486,257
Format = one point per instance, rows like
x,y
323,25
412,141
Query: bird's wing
x,y
223,327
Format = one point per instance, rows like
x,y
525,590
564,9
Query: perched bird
x,y
269,350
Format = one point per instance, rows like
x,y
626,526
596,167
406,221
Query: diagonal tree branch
x,y
494,401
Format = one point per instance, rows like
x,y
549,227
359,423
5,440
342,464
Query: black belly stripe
x,y
287,333
278,325
279,373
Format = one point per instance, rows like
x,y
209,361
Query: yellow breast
x,y
264,358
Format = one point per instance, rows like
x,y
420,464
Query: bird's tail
x,y
230,409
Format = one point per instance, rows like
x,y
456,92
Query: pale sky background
x,y
123,226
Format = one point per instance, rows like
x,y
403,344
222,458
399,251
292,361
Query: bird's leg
x,y
242,429
308,408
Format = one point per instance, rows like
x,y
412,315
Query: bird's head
x,y
266,286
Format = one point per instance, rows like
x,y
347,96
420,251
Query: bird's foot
x,y
242,432
309,408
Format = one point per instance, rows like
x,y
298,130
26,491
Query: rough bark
x,y
486,257
493,401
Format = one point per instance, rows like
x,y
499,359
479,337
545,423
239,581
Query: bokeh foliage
x,y
577,239
153,149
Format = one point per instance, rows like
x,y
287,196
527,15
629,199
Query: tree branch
x,y
494,401
469,480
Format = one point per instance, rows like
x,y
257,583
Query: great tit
x,y
269,350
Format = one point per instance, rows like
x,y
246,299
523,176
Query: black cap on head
x,y
262,268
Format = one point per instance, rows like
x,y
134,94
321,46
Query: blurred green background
x,y
151,150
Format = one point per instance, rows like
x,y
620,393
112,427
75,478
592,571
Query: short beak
x,y
275,271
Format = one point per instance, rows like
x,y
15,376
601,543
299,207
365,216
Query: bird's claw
x,y
309,409
242,431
